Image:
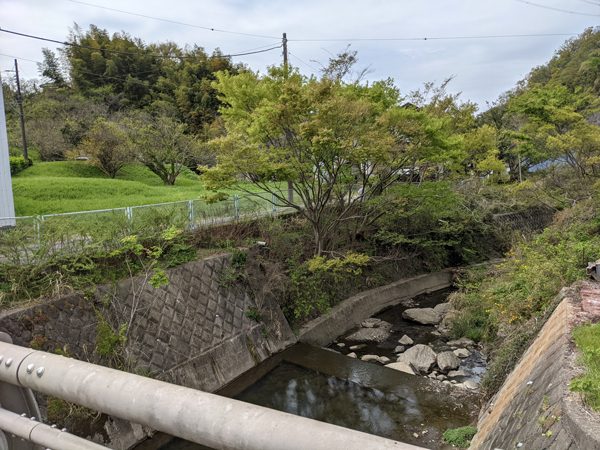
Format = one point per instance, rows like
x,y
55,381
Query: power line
x,y
340,40
131,53
591,3
24,59
306,64
557,9
172,21
444,38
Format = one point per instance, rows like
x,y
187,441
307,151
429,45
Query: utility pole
x,y
20,102
285,61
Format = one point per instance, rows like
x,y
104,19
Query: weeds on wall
x,y
234,273
587,384
507,304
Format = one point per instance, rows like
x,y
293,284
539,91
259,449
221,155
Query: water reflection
x,y
329,399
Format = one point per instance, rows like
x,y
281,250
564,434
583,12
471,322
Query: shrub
x,y
459,437
18,163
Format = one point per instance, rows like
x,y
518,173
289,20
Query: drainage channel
x,y
326,385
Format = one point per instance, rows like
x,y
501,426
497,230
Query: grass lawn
x,y
69,186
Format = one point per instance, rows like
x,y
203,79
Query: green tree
x,y
566,143
107,146
164,147
322,135
51,70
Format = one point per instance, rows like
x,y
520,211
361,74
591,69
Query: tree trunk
x,y
318,240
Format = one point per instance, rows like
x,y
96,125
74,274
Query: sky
x,y
388,34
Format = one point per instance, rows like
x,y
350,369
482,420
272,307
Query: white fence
x,y
75,231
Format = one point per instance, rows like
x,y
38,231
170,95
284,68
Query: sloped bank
x,y
352,311
194,332
534,408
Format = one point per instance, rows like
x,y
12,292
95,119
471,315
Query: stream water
x,y
328,386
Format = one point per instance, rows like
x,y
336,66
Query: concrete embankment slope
x,y
195,332
350,312
534,409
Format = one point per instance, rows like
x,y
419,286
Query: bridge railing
x,y
207,419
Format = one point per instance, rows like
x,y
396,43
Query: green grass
x,y
69,186
459,437
587,338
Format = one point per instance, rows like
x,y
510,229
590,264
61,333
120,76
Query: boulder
x,y
399,349
462,342
456,373
379,359
402,367
442,309
358,347
405,340
420,356
371,323
351,355
341,345
470,384
379,334
462,353
425,316
448,361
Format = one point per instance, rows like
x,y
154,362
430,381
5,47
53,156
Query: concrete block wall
x,y
534,409
192,332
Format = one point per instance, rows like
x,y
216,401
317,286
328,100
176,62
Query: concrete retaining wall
x,y
530,220
352,311
193,332
534,407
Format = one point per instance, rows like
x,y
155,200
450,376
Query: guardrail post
x,y
38,222
236,205
191,213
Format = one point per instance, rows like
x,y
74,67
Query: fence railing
x,y
74,231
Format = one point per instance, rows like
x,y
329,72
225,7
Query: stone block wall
x,y
530,220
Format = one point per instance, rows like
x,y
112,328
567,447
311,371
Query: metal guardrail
x,y
207,419
72,231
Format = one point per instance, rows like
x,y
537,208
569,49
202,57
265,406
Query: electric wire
x,y
557,9
71,44
173,21
442,38
13,56
341,40
306,64
591,3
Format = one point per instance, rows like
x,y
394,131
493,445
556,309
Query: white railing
x,y
73,231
